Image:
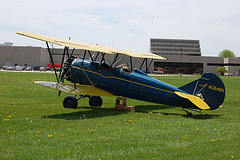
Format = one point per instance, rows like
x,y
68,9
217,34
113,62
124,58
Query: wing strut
x,y
103,59
64,52
84,55
142,63
147,65
150,64
90,55
115,58
96,56
145,59
50,54
131,63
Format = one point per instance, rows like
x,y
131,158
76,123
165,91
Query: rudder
x,y
209,87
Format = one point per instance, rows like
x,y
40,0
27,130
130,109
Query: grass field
x,y
34,125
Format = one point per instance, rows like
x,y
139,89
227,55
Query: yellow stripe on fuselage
x,y
123,80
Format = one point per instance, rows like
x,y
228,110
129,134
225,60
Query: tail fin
x,y
209,87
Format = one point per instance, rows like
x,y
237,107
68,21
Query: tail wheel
x,y
95,101
70,102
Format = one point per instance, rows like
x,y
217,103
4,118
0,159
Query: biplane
x,y
94,77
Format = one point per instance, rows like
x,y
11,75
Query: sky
x,y
125,24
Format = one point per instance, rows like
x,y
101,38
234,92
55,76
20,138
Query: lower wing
x,y
79,90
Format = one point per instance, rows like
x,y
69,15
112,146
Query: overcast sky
x,y
127,24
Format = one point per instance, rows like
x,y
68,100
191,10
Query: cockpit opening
x,y
105,66
125,68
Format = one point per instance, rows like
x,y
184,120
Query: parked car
x,y
24,67
36,68
4,67
42,69
158,72
29,68
11,68
18,68
47,68
58,69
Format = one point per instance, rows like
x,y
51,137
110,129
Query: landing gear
x,y
70,102
95,101
189,114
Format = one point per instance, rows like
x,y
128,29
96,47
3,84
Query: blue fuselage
x,y
135,85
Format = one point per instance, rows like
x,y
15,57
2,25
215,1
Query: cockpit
x,y
122,67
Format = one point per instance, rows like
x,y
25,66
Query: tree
x,y
221,70
227,54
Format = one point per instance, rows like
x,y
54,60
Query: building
x,y
175,47
184,56
16,55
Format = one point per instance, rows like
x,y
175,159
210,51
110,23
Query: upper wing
x,y
80,89
194,99
87,46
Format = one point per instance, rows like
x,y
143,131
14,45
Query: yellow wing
x,y
194,99
87,46
80,89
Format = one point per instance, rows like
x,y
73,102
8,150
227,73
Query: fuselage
x,y
135,84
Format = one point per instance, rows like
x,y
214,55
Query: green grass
x,y
34,125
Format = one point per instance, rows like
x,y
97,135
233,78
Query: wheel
x,y
95,101
70,102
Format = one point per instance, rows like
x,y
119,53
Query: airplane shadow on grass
x,y
96,112
158,109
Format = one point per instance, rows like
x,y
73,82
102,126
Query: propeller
x,y
65,71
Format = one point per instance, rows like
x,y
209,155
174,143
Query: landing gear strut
x,y
189,114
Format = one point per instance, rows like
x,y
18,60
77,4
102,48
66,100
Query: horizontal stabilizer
x,y
80,89
194,99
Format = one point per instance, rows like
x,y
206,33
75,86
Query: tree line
x,y
225,54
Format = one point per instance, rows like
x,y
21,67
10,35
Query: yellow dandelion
x,y
50,135
38,140
213,140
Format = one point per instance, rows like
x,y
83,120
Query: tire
x,y
95,101
70,102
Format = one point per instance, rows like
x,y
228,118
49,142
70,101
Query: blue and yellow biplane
x,y
93,79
